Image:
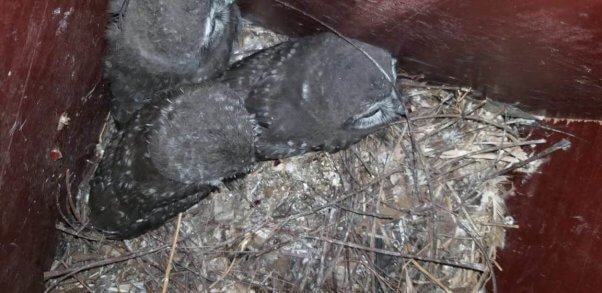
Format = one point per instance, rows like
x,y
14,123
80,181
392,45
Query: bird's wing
x,y
245,74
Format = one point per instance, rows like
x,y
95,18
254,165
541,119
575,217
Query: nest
x,y
396,212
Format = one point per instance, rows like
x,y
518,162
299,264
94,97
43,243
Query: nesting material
x,y
353,221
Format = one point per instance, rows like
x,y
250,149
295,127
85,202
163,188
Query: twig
x,y
501,225
373,215
172,253
410,83
348,195
59,226
563,144
493,149
476,240
70,196
512,133
430,276
72,271
83,283
468,266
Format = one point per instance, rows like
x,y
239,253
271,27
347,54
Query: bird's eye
x,y
372,118
372,113
212,29
217,23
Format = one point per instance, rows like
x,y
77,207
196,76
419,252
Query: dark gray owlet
x,y
315,93
169,156
153,45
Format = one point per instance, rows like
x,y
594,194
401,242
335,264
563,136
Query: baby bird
x,y
315,93
172,154
153,45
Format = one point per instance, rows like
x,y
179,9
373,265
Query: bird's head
x,y
353,86
180,35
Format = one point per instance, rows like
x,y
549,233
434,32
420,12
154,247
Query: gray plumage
x,y
169,156
315,93
154,45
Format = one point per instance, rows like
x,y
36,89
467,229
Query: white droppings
x,y
64,22
63,121
305,91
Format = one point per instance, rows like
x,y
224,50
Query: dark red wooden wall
x,y
50,63
545,55
558,247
